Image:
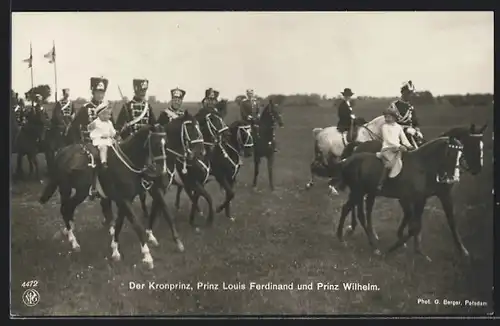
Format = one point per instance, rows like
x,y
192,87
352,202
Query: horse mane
x,y
456,132
430,143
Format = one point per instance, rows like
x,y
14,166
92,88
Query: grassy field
x,y
281,237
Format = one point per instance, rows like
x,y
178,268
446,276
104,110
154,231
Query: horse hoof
x,y
428,259
377,252
465,253
154,243
180,246
76,248
112,231
309,185
197,230
116,257
405,245
375,236
232,219
149,263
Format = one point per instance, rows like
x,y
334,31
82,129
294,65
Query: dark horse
x,y
426,172
184,149
263,135
140,157
212,128
471,161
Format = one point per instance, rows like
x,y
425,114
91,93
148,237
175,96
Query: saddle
x,y
350,135
77,157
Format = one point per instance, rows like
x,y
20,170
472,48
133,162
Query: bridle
x,y
456,175
247,129
463,161
152,159
212,129
248,143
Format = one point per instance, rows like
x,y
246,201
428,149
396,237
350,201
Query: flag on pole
x,y
51,55
30,59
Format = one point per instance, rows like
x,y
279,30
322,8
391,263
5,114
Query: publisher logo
x,y
31,297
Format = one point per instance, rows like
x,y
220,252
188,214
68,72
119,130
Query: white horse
x,y
330,142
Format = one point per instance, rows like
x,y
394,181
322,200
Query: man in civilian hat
x,y
407,115
136,113
63,113
345,114
174,110
249,107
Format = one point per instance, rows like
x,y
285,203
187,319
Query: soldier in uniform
x,y
249,108
63,113
175,108
86,115
136,113
345,114
42,120
209,102
407,115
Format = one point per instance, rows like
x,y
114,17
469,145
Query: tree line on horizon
x,y
421,98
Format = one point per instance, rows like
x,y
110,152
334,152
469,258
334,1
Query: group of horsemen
x,y
76,125
137,112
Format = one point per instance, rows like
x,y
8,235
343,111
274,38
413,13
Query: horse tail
x,y
49,190
316,131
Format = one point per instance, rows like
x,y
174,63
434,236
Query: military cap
x,y
140,84
408,87
98,84
178,93
211,93
65,90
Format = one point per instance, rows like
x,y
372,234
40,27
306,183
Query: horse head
x,y
221,107
184,137
240,134
443,156
472,140
213,128
270,116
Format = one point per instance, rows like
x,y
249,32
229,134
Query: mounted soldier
x,y
63,114
174,110
136,113
210,101
19,110
250,107
79,127
407,117
39,117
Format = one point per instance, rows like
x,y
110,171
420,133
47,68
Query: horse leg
x,y
256,161
418,211
447,203
228,207
365,221
142,198
34,160
132,218
115,255
402,225
178,197
228,189
159,200
107,211
270,163
201,191
317,155
346,208
354,222
68,206
19,165
155,207
408,212
370,202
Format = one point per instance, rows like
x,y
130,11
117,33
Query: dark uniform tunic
x,y
345,116
132,110
20,113
407,115
249,108
83,117
63,114
39,118
167,115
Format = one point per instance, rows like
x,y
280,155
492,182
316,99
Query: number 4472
x,y
30,284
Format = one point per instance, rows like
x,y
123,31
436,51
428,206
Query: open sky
x,y
271,52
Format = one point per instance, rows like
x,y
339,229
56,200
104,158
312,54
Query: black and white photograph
x,y
251,163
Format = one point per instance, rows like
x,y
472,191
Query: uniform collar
x,y
137,100
94,102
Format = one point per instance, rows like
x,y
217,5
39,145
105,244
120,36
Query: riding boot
x,y
383,176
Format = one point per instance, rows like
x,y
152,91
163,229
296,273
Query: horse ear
x,y
483,128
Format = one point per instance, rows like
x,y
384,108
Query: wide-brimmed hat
x,y
347,92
